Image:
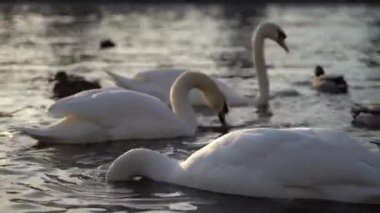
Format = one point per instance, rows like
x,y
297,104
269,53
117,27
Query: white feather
x,y
105,115
157,83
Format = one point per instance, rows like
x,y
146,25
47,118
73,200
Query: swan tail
x,y
67,131
40,135
122,81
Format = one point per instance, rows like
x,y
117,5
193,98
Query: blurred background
x,y
40,38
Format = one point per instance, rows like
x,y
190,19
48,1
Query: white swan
x,y
275,163
115,114
157,83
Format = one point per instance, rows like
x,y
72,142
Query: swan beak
x,y
282,43
222,115
222,119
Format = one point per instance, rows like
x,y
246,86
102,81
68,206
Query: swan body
x,y
116,114
335,84
275,163
366,115
157,83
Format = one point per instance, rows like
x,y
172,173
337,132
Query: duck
x,y
66,85
106,44
334,84
113,114
157,82
366,115
289,163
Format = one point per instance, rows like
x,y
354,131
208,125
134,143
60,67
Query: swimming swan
x,y
274,163
157,83
117,114
334,84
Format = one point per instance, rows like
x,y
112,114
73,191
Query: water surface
x,y
40,39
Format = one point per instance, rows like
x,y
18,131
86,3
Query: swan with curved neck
x,y
116,114
289,163
157,83
263,31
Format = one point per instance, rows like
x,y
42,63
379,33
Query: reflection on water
x,y
38,40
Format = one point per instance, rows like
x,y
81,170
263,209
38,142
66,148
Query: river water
x,y
38,40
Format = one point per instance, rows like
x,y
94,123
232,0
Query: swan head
x,y
273,32
216,100
140,162
319,71
125,167
211,93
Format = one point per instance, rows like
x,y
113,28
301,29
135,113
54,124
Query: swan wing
x,y
114,107
161,78
59,108
158,83
122,81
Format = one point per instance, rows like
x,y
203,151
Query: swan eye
x,y
281,35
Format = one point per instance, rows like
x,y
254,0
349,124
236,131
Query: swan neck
x,y
180,92
259,61
180,102
142,162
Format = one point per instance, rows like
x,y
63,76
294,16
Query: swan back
x,y
122,114
287,163
122,81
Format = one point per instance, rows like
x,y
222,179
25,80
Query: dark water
x,y
37,40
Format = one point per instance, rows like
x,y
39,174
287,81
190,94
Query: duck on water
x,y
328,83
